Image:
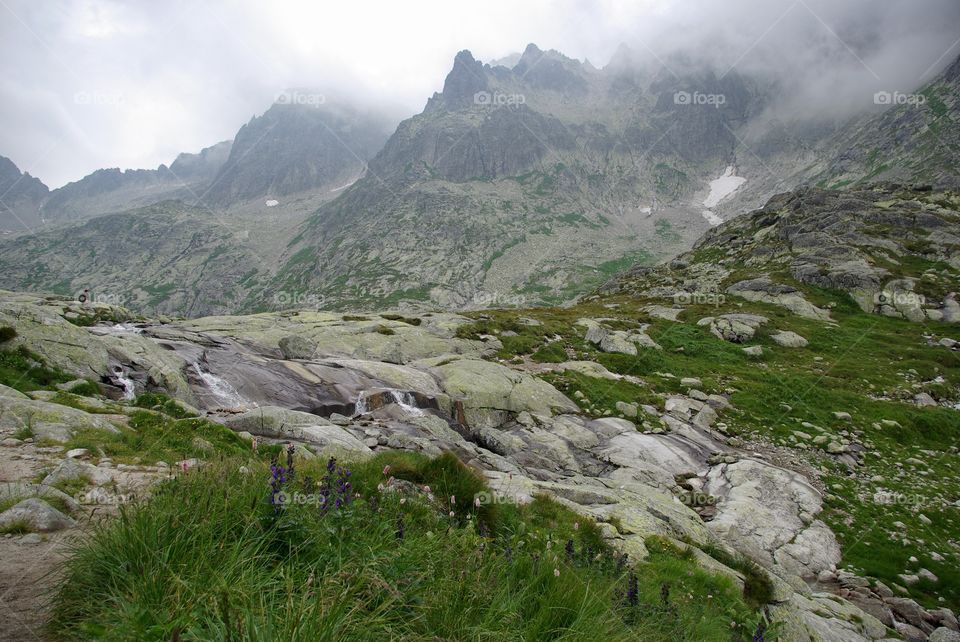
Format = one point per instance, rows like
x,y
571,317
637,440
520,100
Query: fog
x,y
96,83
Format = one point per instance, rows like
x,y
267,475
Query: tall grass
x,y
209,558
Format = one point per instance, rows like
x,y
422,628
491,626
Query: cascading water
x,y
129,390
126,327
221,390
406,400
360,408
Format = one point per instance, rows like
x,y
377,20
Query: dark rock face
x,y
500,143
293,148
462,83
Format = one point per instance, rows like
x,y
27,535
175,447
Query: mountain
x,y
916,139
894,250
113,190
169,258
763,431
20,198
530,183
290,149
294,148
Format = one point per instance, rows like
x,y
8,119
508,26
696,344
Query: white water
x,y
120,328
129,390
405,400
723,187
221,390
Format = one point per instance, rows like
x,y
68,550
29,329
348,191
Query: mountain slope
x,y
168,258
917,140
531,183
893,250
294,148
20,198
113,190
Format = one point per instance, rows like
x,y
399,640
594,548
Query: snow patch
x,y
722,187
272,203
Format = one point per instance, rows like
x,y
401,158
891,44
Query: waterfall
x,y
406,400
360,408
125,327
222,391
129,390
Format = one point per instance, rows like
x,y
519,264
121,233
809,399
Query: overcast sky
x,y
97,83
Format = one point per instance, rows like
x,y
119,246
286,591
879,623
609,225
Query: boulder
x,y
23,490
48,420
281,423
788,339
736,328
766,291
297,347
37,515
943,634
764,512
73,469
490,392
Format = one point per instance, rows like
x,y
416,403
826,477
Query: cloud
x,y
101,83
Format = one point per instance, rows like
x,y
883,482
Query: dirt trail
x,y
31,564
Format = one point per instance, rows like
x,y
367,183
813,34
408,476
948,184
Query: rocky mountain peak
x,y
465,80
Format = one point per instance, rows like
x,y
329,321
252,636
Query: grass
x,y
155,437
23,370
400,317
208,557
85,389
867,365
24,432
17,527
72,487
162,403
